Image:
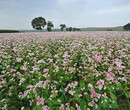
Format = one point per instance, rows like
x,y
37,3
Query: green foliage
x,y
63,26
38,23
67,29
127,27
70,29
49,25
8,31
74,72
75,29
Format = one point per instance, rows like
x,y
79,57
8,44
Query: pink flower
x,y
90,60
26,92
12,70
72,69
2,72
39,84
68,105
91,104
45,107
128,71
41,101
41,61
74,51
66,89
85,67
46,70
90,85
71,92
2,82
110,68
63,64
110,76
38,97
65,54
77,106
91,68
5,107
89,75
30,86
119,63
100,84
80,95
98,58
94,94
11,87
117,82
75,83
24,68
85,93
96,100
45,83
105,72
80,67
19,59
100,87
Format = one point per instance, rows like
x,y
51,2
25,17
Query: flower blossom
x,y
98,58
90,85
100,84
19,59
94,94
41,101
12,70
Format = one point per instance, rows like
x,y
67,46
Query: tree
x,y
109,29
38,23
127,27
67,29
70,29
78,29
74,29
63,26
49,25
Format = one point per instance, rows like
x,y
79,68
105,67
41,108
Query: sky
x,y
18,14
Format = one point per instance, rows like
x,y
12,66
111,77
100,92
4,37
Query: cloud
x,y
78,13
113,10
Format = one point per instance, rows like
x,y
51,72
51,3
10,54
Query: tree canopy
x,y
38,23
70,29
63,26
49,25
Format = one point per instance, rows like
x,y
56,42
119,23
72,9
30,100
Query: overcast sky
x,y
17,14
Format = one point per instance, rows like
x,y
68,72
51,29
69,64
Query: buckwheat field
x,y
65,71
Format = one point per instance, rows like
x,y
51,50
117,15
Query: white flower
x,y
90,85
22,108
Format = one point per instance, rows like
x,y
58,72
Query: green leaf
x,y
83,104
39,107
114,106
113,97
55,95
72,108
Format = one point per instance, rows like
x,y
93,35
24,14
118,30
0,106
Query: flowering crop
x,y
65,71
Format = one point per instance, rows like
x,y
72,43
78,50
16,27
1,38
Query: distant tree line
x,y
9,31
63,27
109,29
39,23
